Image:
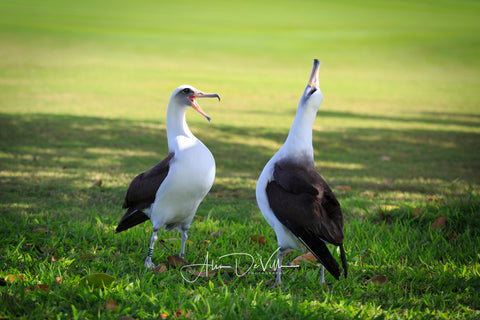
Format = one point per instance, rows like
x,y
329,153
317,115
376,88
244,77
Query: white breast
x,y
191,175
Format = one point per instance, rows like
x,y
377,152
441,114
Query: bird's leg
x,y
281,253
184,240
148,261
322,271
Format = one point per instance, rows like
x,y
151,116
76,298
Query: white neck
x,y
176,125
299,140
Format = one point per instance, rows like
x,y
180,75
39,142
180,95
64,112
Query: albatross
x,y
292,196
170,192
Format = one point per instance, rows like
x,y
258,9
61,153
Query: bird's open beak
x,y
196,106
313,81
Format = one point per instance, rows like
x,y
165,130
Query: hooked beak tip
x,y
313,80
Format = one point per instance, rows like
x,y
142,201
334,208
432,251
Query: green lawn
x,y
83,94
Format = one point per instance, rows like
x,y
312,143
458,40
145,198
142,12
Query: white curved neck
x,y
299,140
176,125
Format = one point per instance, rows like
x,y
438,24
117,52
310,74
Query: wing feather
x,y
141,193
303,202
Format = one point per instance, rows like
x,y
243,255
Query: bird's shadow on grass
x,y
42,153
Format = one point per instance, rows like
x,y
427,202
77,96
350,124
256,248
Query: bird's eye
x,y
187,91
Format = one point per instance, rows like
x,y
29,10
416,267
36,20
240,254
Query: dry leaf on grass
x,y
217,233
344,188
178,313
160,268
42,229
205,273
176,261
417,212
377,280
452,236
111,305
97,183
258,238
439,223
307,257
11,278
42,287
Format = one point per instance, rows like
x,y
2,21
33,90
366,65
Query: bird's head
x,y
312,96
186,95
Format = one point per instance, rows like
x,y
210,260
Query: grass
x,y
83,91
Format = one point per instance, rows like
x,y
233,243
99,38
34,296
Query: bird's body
x,y
292,196
170,192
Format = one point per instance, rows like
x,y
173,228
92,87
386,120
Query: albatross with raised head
x,y
294,199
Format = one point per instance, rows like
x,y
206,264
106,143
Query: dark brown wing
x,y
141,193
304,203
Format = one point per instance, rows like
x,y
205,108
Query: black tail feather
x,y
344,261
130,219
321,252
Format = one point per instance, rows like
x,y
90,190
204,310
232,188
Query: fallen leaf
x,y
40,229
11,277
417,212
367,193
98,280
216,234
385,158
59,280
432,198
377,280
111,304
205,273
452,236
439,223
163,316
258,238
42,287
344,188
97,183
178,313
307,257
160,268
176,261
